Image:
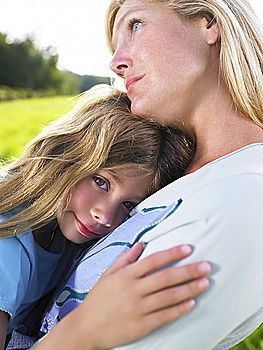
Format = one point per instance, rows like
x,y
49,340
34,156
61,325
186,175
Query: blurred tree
x,y
23,65
87,81
7,62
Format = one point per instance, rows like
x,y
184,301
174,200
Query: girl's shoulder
x,y
15,271
17,246
12,212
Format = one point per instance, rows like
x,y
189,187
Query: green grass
x,y
21,120
253,342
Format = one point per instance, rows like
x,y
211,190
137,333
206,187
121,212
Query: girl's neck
x,y
49,237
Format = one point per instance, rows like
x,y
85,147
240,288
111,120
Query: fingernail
x,y
190,303
204,267
144,244
203,283
186,249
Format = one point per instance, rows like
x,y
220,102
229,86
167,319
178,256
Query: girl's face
x,y
162,58
100,203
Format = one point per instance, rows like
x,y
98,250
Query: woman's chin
x,y
140,108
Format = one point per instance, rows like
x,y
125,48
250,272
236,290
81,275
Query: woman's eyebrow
x,y
127,13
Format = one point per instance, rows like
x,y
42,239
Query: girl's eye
x,y
101,183
134,24
129,205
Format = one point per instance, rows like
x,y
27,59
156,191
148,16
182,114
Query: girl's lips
x,y
86,230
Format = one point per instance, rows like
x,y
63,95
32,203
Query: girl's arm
x,y
3,328
129,301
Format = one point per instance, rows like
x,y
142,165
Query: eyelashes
x,y
102,183
129,205
134,24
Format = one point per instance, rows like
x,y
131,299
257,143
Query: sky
x,y
74,27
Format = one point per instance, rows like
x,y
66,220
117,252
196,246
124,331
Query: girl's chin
x,y
76,238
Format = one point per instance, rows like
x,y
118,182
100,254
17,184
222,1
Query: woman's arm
x,y
3,328
222,221
129,301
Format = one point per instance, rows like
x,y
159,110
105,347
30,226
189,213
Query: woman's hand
x,y
130,300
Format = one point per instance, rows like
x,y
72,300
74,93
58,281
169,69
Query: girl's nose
x,y
103,216
120,63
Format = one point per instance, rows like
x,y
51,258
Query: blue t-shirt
x,y
27,272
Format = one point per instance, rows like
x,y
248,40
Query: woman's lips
x,y
86,230
131,81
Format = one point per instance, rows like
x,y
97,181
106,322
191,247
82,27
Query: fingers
x,y
134,252
126,258
161,317
160,259
175,295
172,276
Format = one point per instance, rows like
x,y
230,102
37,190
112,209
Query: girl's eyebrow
x,y
138,199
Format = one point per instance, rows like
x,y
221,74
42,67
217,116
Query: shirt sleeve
x,y
223,222
14,274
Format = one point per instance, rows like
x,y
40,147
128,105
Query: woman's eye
x,y
101,182
134,24
129,205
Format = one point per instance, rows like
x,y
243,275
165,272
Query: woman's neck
x,y
220,129
224,142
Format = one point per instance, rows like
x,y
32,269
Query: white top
x,y
221,217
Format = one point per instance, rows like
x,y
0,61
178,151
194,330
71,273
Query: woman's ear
x,y
210,30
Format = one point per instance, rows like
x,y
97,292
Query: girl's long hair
x,y
241,46
100,133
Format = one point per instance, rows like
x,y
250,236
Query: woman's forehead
x,y
127,8
131,8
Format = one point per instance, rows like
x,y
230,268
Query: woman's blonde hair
x,y
100,133
241,46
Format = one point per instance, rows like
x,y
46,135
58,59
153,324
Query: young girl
x,y
76,182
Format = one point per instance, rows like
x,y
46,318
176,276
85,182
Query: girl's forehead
x,y
120,171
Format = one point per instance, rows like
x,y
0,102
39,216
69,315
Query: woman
x,y
197,65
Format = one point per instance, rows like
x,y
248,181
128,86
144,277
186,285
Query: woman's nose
x,y
120,63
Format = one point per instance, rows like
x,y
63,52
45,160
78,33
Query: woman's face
x,y
100,203
162,58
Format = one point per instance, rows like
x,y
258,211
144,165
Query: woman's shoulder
x,y
246,159
245,163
